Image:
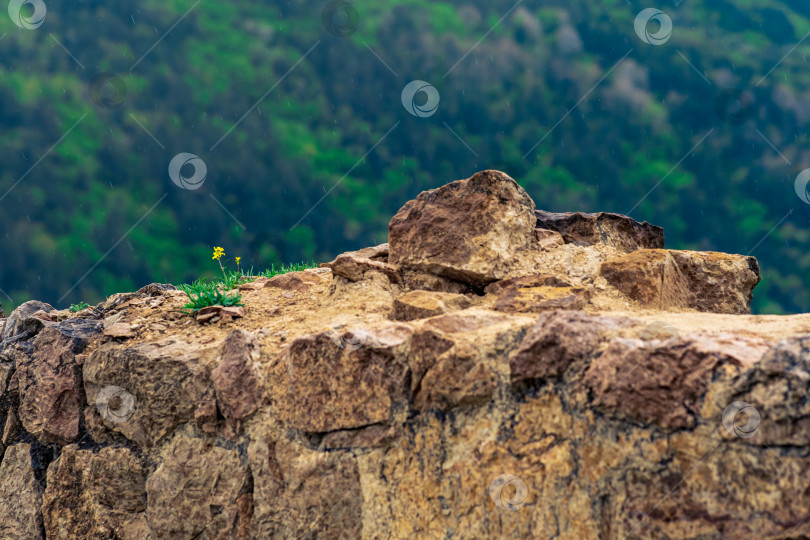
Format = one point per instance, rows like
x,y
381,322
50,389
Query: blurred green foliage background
x,y
633,110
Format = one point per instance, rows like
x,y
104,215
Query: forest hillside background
x,y
296,110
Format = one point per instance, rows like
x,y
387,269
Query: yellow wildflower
x,y
218,253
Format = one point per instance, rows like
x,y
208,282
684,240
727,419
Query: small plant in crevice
x,y
215,292
201,294
75,308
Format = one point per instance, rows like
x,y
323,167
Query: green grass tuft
x,y
294,267
75,308
201,294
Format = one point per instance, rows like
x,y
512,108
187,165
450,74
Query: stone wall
x,y
494,371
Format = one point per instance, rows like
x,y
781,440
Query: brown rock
x,y
423,304
534,280
119,330
453,360
415,280
294,281
6,371
20,496
258,283
469,320
195,491
558,339
144,392
355,263
372,252
237,379
155,289
16,322
116,302
776,387
547,239
221,314
367,437
11,428
539,299
327,382
301,493
670,279
353,267
50,384
468,230
476,423
95,495
663,384
615,230
461,376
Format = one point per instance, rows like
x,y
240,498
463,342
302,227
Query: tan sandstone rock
x,y
49,382
197,491
467,230
666,279
330,381
144,392
95,495
238,379
20,496
422,304
615,230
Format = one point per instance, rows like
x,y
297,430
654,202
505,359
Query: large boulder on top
x,y
469,230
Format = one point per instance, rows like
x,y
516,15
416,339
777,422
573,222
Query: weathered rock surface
x,y
354,267
303,493
330,381
538,299
144,392
294,281
198,491
49,382
422,304
16,322
615,230
238,380
95,495
545,376
467,230
666,279
664,383
558,339
20,496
